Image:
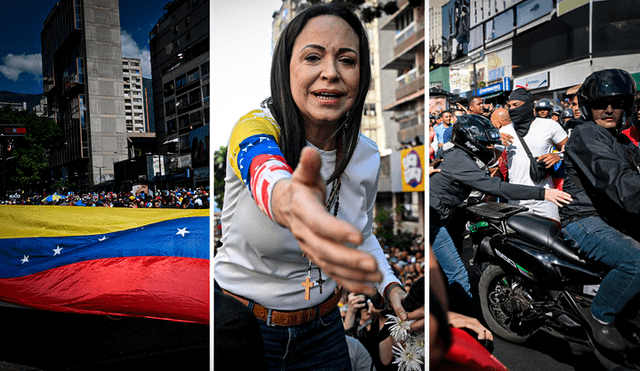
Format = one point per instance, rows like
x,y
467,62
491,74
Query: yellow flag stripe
x,y
23,221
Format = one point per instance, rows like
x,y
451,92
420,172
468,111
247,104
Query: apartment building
x,y
133,95
179,45
83,84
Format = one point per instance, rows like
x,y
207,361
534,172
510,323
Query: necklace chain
x,y
333,201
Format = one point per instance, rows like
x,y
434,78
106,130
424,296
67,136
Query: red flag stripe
x,y
162,287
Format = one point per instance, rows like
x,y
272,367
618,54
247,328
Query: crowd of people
x,y
178,198
575,161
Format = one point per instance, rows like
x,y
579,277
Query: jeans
x,y
445,251
316,345
603,243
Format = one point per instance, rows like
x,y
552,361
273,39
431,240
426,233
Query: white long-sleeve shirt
x,y
262,261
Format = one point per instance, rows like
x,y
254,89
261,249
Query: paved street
x,y
38,340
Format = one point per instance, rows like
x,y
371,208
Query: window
x,y
193,75
370,109
205,92
170,108
171,126
205,69
182,101
183,121
194,96
168,89
195,117
181,81
184,141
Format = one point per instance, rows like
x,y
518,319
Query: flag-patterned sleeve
x,y
255,157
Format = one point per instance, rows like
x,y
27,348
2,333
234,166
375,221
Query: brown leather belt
x,y
285,318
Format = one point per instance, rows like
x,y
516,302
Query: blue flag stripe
x,y
182,237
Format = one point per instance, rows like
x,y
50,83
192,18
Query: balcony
x,y
410,82
406,40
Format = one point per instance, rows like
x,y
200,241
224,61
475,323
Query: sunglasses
x,y
603,104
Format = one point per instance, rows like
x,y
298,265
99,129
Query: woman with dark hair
x,y
292,239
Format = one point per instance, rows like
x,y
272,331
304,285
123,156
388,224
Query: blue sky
x,y
20,26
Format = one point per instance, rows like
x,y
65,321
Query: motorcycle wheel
x,y
502,299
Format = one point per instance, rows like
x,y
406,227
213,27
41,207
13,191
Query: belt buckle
x,y
269,317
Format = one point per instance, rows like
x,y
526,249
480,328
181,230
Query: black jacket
x,y
603,164
459,176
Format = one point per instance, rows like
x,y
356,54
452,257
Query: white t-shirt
x,y
540,139
262,261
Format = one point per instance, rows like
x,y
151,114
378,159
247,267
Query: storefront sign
x,y
413,169
505,85
535,81
565,6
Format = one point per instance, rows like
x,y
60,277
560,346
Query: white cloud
x,y
14,65
130,49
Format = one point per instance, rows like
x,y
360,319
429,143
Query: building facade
x,y
133,95
547,46
402,55
179,45
83,84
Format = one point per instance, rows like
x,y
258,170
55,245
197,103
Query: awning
x,y
494,95
573,90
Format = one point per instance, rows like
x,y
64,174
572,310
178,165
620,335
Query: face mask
x,y
522,117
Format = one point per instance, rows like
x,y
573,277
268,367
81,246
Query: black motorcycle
x,y
532,280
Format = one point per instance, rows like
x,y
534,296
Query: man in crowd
x,y
541,135
575,107
476,106
543,108
440,129
602,178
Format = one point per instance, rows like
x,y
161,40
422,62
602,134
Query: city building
x,y
40,109
179,44
402,56
547,46
147,100
83,84
16,106
133,97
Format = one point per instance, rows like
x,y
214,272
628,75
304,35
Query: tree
x,y
370,12
219,172
28,158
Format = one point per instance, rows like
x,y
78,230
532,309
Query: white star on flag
x,y
57,250
182,231
103,238
25,259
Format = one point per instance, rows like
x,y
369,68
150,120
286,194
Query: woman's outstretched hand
x,y
298,204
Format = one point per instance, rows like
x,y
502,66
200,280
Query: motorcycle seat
x,y
547,233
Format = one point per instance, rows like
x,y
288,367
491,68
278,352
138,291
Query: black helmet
x,y
607,83
473,133
543,104
566,114
557,110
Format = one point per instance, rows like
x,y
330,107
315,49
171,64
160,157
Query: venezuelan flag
x,y
150,263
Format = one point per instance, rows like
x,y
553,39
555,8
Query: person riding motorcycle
x,y
603,177
556,113
543,108
474,146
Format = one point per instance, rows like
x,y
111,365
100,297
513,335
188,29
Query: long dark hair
x,y
284,109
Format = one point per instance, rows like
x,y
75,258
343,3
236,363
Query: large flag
x,y
126,262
